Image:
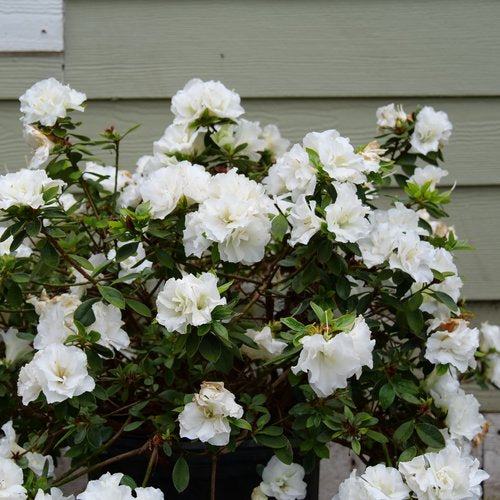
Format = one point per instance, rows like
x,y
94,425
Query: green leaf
x,y
82,262
128,481
356,446
125,251
320,314
133,425
386,395
445,299
415,320
293,324
279,227
377,436
139,307
343,288
84,313
33,228
210,348
225,287
112,295
272,430
408,454
404,431
285,454
180,474
442,369
275,442
242,424
48,255
430,435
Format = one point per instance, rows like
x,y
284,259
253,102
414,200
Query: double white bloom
x,y
346,217
15,347
25,188
59,371
432,130
188,301
452,342
11,481
377,483
269,347
329,363
490,339
48,100
197,97
281,481
235,216
165,187
389,115
205,418
108,487
447,474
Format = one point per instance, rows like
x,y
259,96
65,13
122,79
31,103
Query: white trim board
x,y
31,26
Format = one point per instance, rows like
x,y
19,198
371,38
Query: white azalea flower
x,y
269,347
329,363
352,488
11,481
197,96
429,173
55,322
449,474
282,481
165,187
48,100
337,155
41,145
273,141
188,301
432,130
414,257
148,493
304,221
15,347
205,418
490,337
442,388
346,216
25,187
388,116
108,322
257,494
377,483
59,371
230,136
453,342
463,419
179,138
292,173
54,494
239,223
10,449
106,487
493,369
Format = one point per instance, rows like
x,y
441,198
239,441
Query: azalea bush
x,y
231,289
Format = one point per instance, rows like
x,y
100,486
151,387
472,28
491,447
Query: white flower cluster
x,y
205,418
330,362
448,474
57,370
432,128
268,346
239,224
108,487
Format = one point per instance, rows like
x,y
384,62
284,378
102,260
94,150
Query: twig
x,y
151,463
213,477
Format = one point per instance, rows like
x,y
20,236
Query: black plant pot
x,y
236,472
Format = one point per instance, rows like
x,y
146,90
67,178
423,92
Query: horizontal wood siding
x,y
293,48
